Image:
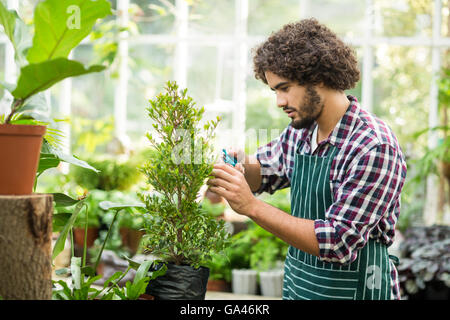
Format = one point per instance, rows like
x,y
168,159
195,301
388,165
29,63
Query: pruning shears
x,y
228,159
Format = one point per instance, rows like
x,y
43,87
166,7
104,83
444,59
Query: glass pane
x,y
92,94
26,9
210,73
150,68
212,17
267,16
356,91
402,78
403,18
153,16
264,119
331,13
445,31
262,112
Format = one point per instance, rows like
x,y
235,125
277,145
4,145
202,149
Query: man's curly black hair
x,y
309,53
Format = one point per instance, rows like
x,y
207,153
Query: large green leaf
x,y
108,205
38,77
60,242
8,21
47,161
60,25
63,200
17,32
49,155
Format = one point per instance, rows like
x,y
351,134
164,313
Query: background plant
x,y
179,231
114,174
83,276
425,258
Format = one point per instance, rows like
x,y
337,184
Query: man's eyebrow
x,y
279,85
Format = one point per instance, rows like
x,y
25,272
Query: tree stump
x,y
25,247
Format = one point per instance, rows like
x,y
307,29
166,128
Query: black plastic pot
x,y
180,283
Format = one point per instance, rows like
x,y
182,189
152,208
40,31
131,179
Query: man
x,y
343,165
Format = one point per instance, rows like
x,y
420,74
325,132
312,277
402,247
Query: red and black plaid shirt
x,y
366,178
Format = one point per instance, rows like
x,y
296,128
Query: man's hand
x,y
229,182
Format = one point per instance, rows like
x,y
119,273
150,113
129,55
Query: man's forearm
x,y
231,184
252,172
297,232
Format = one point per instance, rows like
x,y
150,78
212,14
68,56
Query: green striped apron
x,y
307,277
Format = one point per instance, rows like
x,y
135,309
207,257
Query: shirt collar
x,y
343,128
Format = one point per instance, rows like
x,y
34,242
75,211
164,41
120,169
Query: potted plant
x,y
256,252
267,258
243,278
219,273
219,264
268,254
42,62
177,229
424,269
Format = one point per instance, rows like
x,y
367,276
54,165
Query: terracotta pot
x,y
218,285
446,169
78,236
131,238
20,147
145,296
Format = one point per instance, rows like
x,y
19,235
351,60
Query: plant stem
x,y
106,239
71,242
17,104
85,238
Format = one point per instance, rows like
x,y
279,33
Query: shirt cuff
x,y
331,249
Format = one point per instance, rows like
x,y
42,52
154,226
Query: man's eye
x,y
284,89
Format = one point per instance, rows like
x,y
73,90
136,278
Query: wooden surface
x,y
25,247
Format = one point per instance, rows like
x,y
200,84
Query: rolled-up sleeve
x,y
366,193
272,158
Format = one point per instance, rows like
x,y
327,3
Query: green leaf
x,y
38,77
8,21
60,155
108,205
160,272
63,200
47,161
37,102
17,32
60,242
133,264
60,25
88,270
59,220
142,271
62,271
111,279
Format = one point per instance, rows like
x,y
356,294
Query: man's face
x,y
301,103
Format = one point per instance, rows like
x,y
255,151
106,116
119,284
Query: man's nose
x,y
281,101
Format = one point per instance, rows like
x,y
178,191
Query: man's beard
x,y
312,106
